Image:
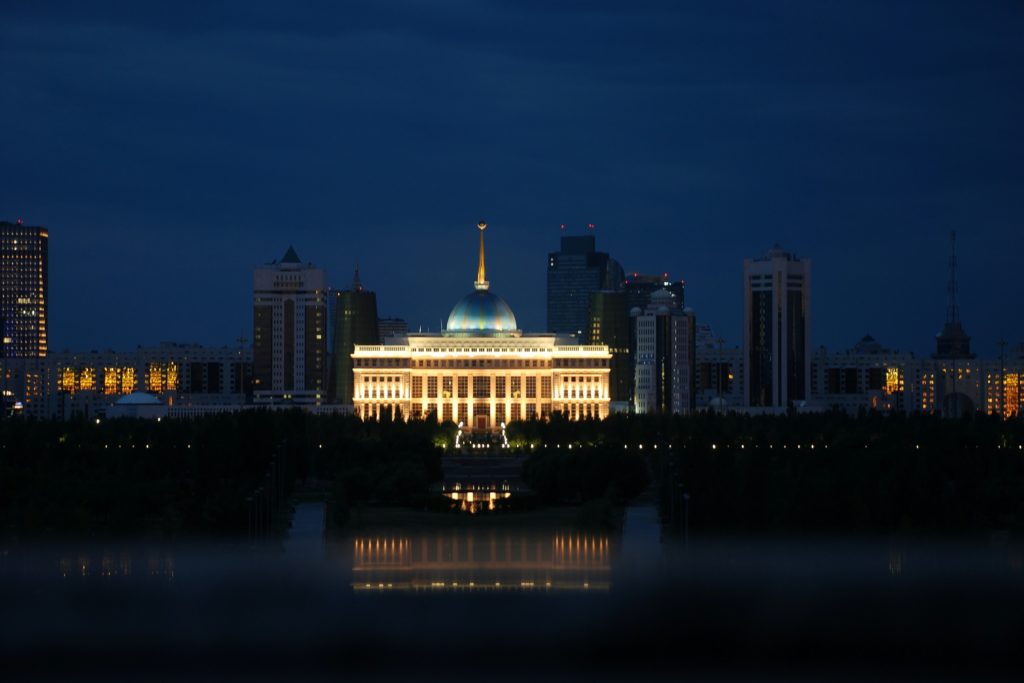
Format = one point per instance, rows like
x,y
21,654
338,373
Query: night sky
x,y
170,151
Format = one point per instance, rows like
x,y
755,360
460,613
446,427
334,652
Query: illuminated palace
x,y
481,371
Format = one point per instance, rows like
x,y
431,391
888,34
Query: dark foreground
x,y
721,611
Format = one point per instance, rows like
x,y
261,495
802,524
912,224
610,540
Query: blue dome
x,y
481,311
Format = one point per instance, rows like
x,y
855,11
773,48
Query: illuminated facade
x,y
957,387
1003,391
289,301
180,376
482,371
868,376
24,257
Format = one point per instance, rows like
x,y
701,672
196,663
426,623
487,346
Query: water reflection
x,y
105,564
896,561
566,603
473,498
470,560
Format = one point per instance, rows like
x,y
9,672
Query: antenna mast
x,y
952,310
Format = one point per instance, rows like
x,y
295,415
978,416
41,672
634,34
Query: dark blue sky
x,y
170,150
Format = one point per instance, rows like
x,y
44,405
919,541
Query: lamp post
x,y
1001,403
721,346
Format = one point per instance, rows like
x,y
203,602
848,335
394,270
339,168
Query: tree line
x,y
816,473
741,474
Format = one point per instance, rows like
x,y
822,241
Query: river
x,y
501,601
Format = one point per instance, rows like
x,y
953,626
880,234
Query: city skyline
x,y
720,321
544,339
170,153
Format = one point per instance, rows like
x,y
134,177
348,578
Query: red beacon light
x,y
21,222
590,226
562,226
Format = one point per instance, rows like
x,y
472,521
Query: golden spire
x,y
481,272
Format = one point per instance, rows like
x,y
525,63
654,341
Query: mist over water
x,y
512,602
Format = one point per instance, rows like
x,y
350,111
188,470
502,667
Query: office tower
x,y
639,287
610,326
665,376
574,273
289,331
719,371
355,322
776,329
23,290
391,327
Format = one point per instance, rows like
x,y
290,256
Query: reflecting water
x,y
473,498
542,600
306,536
470,560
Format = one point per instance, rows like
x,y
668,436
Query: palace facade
x,y
481,371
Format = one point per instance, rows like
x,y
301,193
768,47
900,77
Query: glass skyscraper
x,y
355,322
574,273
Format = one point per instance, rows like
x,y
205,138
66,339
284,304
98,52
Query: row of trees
x,y
800,472
816,473
198,476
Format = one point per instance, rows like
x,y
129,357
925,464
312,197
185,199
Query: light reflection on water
x,y
122,563
595,603
484,557
469,560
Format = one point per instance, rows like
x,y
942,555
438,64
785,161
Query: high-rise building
x,y
355,322
574,272
665,379
23,290
776,329
610,325
639,287
289,331
719,372
391,327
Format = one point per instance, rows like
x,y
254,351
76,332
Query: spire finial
x,y
481,271
357,284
